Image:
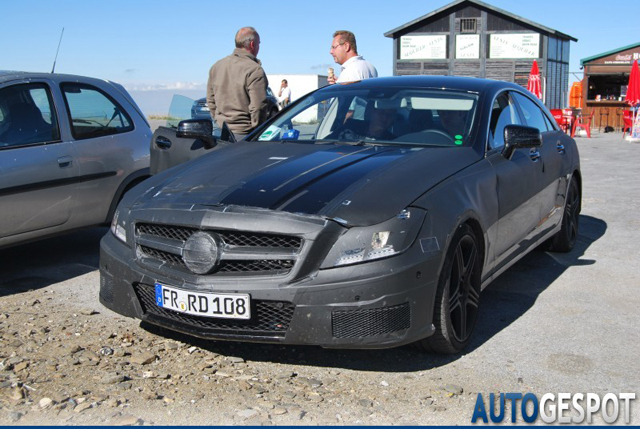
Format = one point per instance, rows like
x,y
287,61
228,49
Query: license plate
x,y
222,305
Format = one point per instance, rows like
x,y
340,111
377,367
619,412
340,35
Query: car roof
x,y
10,75
437,82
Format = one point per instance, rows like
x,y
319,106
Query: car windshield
x,y
377,116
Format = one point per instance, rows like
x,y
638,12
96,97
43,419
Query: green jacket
x,y
237,92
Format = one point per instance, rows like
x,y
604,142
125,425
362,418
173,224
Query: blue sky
x,y
170,43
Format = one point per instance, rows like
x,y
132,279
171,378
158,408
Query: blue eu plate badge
x,y
159,295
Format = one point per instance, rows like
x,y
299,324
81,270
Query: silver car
x,y
70,147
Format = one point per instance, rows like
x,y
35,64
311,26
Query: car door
x,y
102,131
518,183
553,157
37,186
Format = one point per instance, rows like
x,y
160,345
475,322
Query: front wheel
x,y
458,295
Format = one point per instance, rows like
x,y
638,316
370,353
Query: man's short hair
x,y
285,81
348,37
244,36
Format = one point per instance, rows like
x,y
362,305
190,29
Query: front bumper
x,y
378,304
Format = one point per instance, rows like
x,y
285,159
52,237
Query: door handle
x,y
163,142
534,154
65,161
560,146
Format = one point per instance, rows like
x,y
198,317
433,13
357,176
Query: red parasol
x,y
534,81
633,94
633,91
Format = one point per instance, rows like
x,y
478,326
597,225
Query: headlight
x,y
362,244
119,229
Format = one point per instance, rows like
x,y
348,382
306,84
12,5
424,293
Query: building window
x,y
468,25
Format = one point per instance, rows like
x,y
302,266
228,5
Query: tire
x,y
565,239
458,295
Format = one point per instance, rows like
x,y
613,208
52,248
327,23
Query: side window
x,y
533,116
27,115
503,113
93,113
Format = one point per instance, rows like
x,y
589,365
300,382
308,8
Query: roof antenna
x,y
56,58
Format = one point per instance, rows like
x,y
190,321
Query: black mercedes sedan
x,y
365,215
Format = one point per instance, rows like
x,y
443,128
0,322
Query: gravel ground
x,y
552,323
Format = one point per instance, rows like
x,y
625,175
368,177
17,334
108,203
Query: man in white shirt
x,y
284,95
345,52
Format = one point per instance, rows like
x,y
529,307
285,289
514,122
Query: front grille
x,y
163,256
370,322
255,266
231,238
268,318
246,241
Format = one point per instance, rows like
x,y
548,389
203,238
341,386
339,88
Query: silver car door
x,y
37,184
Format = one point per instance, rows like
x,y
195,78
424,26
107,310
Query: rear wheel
x,y
458,295
565,239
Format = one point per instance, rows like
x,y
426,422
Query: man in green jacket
x,y
237,86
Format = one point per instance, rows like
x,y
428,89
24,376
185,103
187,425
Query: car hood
x,y
356,185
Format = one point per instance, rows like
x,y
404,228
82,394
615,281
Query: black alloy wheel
x,y
458,295
565,239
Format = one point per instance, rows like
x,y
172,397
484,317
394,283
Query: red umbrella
x,y
633,91
534,81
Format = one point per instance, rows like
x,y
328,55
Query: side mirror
x,y
201,129
520,136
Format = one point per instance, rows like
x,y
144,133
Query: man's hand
x,y
332,79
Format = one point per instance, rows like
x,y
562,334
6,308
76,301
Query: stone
x,y
191,350
148,374
20,366
82,407
244,385
113,378
279,411
144,358
45,403
106,351
453,388
247,414
74,349
314,397
126,420
17,394
112,402
365,403
88,312
235,359
384,384
14,416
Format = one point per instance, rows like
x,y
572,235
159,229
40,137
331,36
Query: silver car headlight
x,y
119,227
389,238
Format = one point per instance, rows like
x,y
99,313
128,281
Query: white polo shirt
x,y
356,68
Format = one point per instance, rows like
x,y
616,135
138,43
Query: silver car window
x,y
93,113
27,115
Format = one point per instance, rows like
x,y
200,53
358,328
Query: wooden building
x,y
472,38
604,85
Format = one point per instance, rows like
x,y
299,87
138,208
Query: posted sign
x,y
423,47
514,46
468,46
